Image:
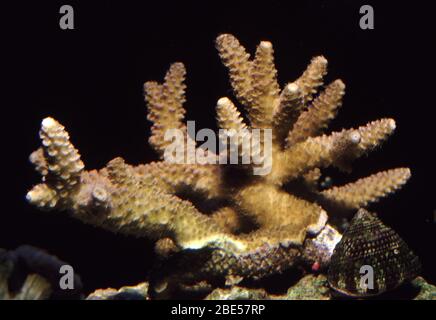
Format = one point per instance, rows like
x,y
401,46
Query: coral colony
x,y
210,213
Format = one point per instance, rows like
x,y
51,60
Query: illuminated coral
x,y
257,224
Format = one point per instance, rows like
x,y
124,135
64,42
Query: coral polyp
x,y
236,224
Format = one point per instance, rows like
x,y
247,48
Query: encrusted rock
x,y
137,292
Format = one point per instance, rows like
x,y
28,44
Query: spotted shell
x,y
370,259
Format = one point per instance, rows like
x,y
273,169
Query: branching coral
x,y
259,226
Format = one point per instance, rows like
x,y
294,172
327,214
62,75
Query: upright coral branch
x,y
317,117
236,134
228,116
254,81
165,105
312,77
60,165
238,62
287,112
264,87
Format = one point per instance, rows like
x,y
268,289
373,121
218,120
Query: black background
x,y
91,78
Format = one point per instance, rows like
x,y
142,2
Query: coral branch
x,y
312,77
141,208
173,177
290,106
370,189
236,135
339,148
165,105
60,165
373,134
254,81
321,151
323,109
265,87
228,116
237,60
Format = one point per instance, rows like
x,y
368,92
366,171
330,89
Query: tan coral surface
x,y
144,201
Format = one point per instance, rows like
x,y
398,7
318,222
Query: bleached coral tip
x,y
406,173
224,101
391,123
29,197
224,36
292,87
33,196
48,122
354,137
340,83
320,59
265,45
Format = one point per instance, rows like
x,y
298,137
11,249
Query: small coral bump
x,y
165,247
42,196
100,197
354,137
38,160
391,124
292,88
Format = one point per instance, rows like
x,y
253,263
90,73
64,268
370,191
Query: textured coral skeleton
x,y
257,225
